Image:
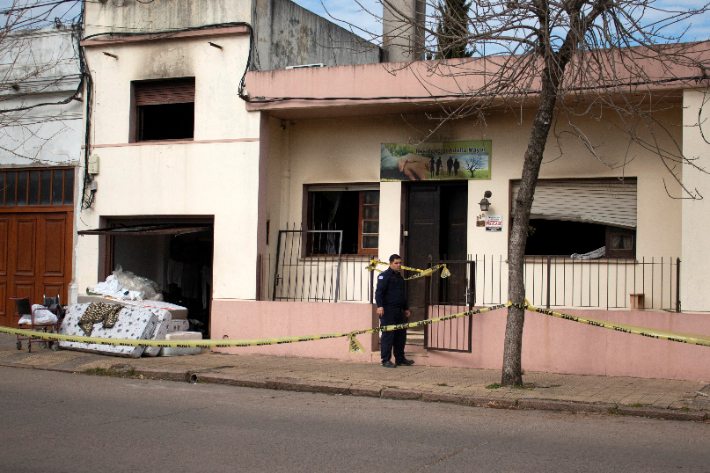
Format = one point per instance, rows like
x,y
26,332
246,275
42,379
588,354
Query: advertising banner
x,y
453,160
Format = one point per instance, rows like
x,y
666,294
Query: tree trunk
x,y
513,345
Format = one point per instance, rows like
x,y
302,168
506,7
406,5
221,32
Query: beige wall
x,y
130,15
199,178
315,151
696,213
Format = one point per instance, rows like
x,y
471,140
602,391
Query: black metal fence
x,y
555,281
449,296
309,267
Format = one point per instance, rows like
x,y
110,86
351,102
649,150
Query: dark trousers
x,y
394,340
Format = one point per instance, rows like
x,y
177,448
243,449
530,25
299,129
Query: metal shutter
x,y
603,201
164,92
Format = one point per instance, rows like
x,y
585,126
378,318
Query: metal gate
x,y
449,296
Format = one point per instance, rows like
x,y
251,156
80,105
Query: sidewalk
x,y
669,399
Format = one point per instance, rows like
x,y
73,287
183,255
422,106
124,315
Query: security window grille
x,y
165,109
355,212
27,187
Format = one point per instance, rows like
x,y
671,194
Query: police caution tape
x,y
354,345
644,332
445,273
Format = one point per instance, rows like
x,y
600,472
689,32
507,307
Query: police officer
x,y
392,309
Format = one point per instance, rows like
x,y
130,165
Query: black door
x,y
436,225
422,244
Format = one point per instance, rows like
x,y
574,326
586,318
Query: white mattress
x,y
164,320
177,311
135,323
179,351
179,325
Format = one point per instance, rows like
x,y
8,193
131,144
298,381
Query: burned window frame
x,y
311,240
163,93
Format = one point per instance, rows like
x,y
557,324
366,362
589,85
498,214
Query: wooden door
x,y
423,212
7,307
35,258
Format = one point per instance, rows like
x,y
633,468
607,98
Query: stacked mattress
x,y
177,311
134,323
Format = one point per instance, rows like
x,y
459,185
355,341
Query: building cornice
x,y
130,39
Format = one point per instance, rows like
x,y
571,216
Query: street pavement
x,y
59,422
667,399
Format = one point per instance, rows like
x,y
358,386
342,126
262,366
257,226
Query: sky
x,y
350,11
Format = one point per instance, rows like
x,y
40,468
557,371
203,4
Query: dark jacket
x,y
390,291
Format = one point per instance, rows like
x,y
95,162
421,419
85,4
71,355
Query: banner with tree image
x,y
453,160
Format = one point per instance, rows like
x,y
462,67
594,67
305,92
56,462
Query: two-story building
x,y
258,201
177,155
41,134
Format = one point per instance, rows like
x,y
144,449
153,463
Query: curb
x,y
300,385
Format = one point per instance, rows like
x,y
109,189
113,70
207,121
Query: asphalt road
x,y
58,422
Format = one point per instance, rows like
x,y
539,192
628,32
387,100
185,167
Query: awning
x,y
146,229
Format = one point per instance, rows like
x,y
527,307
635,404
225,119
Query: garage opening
x,y
176,253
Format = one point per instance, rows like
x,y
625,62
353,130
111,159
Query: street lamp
x,y
484,203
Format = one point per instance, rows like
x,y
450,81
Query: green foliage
x,y
452,31
493,386
398,150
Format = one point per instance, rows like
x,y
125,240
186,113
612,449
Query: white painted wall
x,y
695,269
200,178
44,67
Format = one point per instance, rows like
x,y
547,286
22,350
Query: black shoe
x,y
404,362
388,364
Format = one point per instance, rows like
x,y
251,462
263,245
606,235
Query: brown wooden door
x,y
6,309
35,258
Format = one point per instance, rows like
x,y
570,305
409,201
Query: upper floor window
x,y
164,109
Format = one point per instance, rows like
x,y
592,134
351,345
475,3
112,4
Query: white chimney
x,y
403,42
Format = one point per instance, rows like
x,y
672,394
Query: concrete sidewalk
x,y
669,399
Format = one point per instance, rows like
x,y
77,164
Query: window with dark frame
x,y
28,187
579,216
355,212
164,109
564,238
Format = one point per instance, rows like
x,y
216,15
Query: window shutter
x,y
601,201
164,92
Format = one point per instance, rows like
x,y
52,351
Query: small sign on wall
x,y
494,223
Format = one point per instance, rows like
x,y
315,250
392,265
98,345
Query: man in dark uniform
x,y
393,309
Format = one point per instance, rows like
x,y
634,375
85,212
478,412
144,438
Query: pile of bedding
x,y
133,322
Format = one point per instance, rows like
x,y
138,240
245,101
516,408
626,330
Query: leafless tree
x,y
473,164
39,75
573,62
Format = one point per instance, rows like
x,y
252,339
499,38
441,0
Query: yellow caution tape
x,y
692,339
354,345
445,273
